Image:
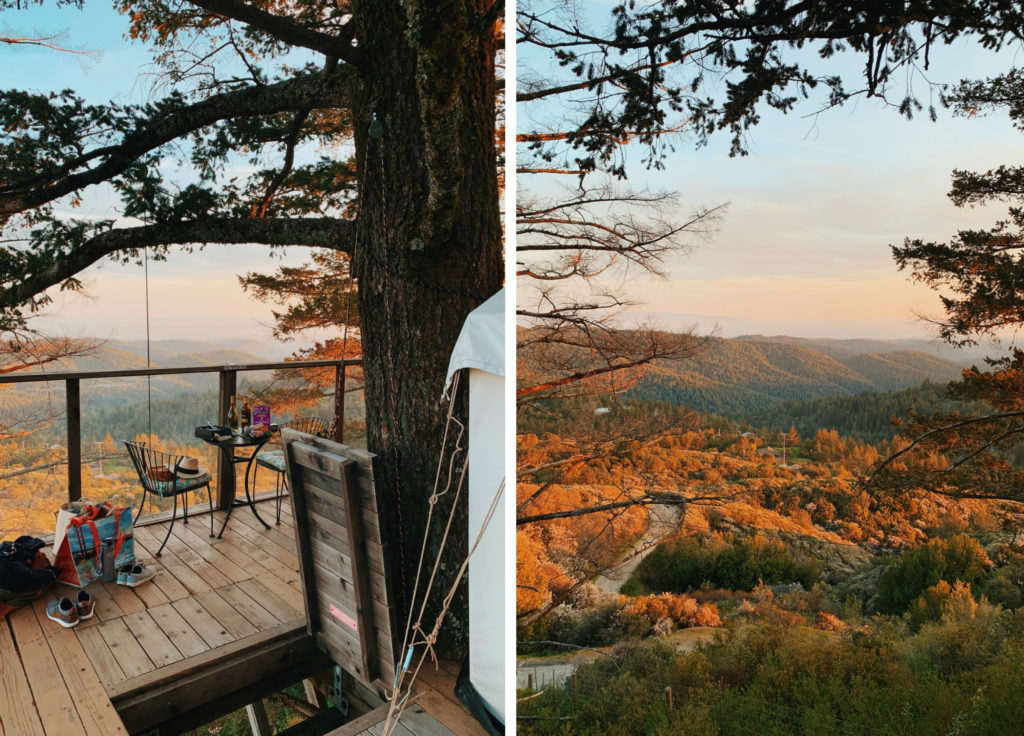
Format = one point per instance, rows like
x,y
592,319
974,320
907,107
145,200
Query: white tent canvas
x,y
481,349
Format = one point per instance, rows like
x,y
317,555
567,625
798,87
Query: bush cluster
x,y
906,577
688,563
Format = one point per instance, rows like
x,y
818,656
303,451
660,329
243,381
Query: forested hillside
x,y
867,416
735,377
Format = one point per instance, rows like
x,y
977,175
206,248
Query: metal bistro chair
x,y
159,475
274,459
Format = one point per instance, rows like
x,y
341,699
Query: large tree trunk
x,y
429,245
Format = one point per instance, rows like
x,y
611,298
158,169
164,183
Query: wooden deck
x,y
221,625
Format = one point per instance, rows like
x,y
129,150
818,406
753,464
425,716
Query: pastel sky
x,y
191,295
803,248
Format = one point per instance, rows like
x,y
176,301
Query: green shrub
x,y
909,575
689,563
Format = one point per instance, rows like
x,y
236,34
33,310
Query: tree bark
x,y
428,247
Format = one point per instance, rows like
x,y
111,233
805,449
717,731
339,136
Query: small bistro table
x,y
229,446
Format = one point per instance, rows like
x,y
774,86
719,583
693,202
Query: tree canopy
x,y
366,128
979,275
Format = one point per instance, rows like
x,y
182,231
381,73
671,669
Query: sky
x,y
190,295
803,248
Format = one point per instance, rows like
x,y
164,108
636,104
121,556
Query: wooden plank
x,y
105,606
246,607
131,657
259,724
330,583
450,714
106,664
17,709
188,701
210,553
237,625
422,723
259,592
305,554
53,701
152,640
212,631
360,571
168,675
241,530
126,598
319,485
184,575
273,534
149,593
207,571
178,630
324,510
282,578
363,722
334,534
85,690
168,584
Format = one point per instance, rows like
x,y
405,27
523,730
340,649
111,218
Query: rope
x,y
414,633
149,379
430,639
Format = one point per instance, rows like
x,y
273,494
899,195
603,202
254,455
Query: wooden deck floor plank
x,y
17,706
129,654
282,578
224,613
285,541
152,639
260,592
95,645
150,592
184,575
86,691
178,630
168,584
202,567
208,549
202,621
255,564
242,530
53,702
251,609
419,722
283,592
126,598
105,606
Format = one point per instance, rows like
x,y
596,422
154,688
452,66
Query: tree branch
x,y
313,91
320,232
284,29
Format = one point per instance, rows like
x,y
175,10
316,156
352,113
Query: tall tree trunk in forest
x,y
429,241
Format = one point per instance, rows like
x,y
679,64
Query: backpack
x,y
24,570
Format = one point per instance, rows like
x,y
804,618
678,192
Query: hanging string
x,y
414,632
149,364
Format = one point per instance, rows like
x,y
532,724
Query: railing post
x,y
339,402
225,470
73,397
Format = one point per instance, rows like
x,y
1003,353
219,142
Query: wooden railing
x,y
227,387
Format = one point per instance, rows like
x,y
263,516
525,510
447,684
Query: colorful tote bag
x,y
79,555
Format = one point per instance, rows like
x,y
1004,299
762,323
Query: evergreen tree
x,y
411,84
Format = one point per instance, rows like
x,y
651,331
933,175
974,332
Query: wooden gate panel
x,y
342,559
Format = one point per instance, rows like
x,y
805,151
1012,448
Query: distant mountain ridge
x,y
846,348
131,355
739,375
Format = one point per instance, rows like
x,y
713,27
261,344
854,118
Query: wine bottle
x,y
233,416
246,414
